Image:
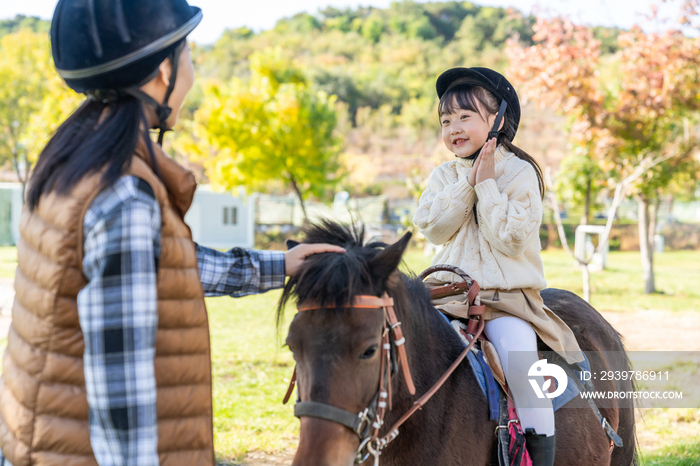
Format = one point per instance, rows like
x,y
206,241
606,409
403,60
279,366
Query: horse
x,y
337,349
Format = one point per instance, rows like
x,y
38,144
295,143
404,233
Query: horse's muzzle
x,y
325,443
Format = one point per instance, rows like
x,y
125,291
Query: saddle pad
x,y
486,380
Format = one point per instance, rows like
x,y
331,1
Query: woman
x,y
108,357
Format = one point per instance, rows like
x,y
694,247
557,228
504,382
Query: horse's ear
x,y
291,243
388,260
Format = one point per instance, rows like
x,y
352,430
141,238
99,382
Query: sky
x,y
263,14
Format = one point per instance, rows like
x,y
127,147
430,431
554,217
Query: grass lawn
x,y
252,368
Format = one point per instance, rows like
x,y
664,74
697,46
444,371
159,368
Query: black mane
x,y
335,279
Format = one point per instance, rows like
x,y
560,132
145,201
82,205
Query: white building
x,y
221,220
217,220
10,210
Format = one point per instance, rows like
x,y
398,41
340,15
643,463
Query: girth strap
x,y
330,413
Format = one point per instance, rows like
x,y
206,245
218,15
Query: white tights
x,y
514,334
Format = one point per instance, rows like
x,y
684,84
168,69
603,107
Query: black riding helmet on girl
x,y
456,88
108,50
107,47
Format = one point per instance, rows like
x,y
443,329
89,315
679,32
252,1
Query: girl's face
x,y
465,131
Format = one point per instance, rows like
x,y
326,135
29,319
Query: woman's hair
x,y
95,136
478,99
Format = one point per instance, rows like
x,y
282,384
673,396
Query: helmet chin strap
x,y
494,131
163,111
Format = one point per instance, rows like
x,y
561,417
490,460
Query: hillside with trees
x,y
381,64
378,65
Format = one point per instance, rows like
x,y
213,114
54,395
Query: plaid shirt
x,y
118,314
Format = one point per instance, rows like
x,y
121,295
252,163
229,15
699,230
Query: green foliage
x,y
302,22
607,38
371,58
273,127
34,100
372,29
19,22
493,26
24,67
579,175
376,68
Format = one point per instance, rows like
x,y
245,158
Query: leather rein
x,y
367,423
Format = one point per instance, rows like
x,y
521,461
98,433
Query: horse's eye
x,y
369,352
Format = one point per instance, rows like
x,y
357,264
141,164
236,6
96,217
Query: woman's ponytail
x,y
97,135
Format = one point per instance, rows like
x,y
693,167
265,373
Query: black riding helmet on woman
x,y
110,50
108,359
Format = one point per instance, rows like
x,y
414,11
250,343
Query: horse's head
x,y
338,349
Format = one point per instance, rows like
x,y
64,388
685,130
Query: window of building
x,y
230,215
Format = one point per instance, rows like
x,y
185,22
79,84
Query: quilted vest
x,y
43,403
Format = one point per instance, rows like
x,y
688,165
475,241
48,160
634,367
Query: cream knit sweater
x,y
503,250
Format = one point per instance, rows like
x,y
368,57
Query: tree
x,y
274,127
19,22
626,112
24,68
659,88
579,181
58,104
34,100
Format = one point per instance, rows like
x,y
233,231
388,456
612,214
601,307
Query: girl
x,y
485,207
108,357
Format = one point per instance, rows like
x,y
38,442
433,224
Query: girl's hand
x,y
295,256
487,166
471,178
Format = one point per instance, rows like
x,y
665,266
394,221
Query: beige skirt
x,y
525,304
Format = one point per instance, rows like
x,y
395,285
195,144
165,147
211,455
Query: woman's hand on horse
x,y
487,166
295,256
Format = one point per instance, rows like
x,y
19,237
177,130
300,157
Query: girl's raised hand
x,y
471,178
487,165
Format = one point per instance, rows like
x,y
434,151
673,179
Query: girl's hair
x,y
96,135
478,99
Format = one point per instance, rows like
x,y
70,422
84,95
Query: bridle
x,y
367,423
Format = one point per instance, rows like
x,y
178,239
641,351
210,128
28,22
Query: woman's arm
x,y
119,318
508,220
239,272
444,207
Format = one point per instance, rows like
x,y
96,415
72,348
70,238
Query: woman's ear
x,y
157,86
165,70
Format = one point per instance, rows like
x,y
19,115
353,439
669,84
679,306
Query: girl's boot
x,y
540,447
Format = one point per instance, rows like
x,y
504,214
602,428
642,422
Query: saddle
x,y
464,324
